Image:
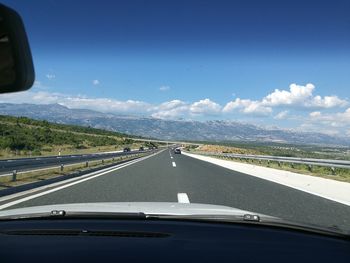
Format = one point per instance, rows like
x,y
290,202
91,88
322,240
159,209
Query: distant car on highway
x,y
126,149
141,149
177,151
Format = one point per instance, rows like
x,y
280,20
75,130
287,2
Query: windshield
x,y
242,104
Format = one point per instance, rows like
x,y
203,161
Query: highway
x,y
25,164
169,177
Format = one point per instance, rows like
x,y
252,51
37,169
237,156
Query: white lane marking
x,y
34,190
174,164
70,184
183,198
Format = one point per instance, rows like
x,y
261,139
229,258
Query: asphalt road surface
x,y
160,178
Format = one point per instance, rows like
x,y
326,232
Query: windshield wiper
x,y
57,214
258,220
247,219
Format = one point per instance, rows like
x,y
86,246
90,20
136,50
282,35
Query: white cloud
x,y
301,96
95,82
50,76
287,102
181,109
107,105
170,109
169,105
339,119
164,88
296,95
237,103
316,127
327,102
39,85
247,106
174,113
315,114
281,115
256,108
205,106
77,102
328,123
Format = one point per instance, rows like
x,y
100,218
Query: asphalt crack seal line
x,y
71,184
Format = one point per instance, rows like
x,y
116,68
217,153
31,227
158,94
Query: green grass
x,y
62,127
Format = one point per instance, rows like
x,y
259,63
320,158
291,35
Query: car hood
x,y
163,210
148,208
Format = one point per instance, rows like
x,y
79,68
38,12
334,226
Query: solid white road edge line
x,y
183,198
326,188
71,184
7,197
2,199
174,164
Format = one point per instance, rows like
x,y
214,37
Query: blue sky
x,y
194,59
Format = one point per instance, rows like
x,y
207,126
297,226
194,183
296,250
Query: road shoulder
x,y
326,188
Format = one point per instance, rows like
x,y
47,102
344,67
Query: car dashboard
x,y
101,240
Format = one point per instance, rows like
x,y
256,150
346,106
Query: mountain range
x,y
215,130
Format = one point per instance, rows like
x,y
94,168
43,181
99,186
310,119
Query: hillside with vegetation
x,y
167,129
21,136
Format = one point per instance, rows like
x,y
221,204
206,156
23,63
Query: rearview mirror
x,y
16,65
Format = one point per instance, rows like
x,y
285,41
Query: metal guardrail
x,y
61,167
25,164
293,160
69,155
